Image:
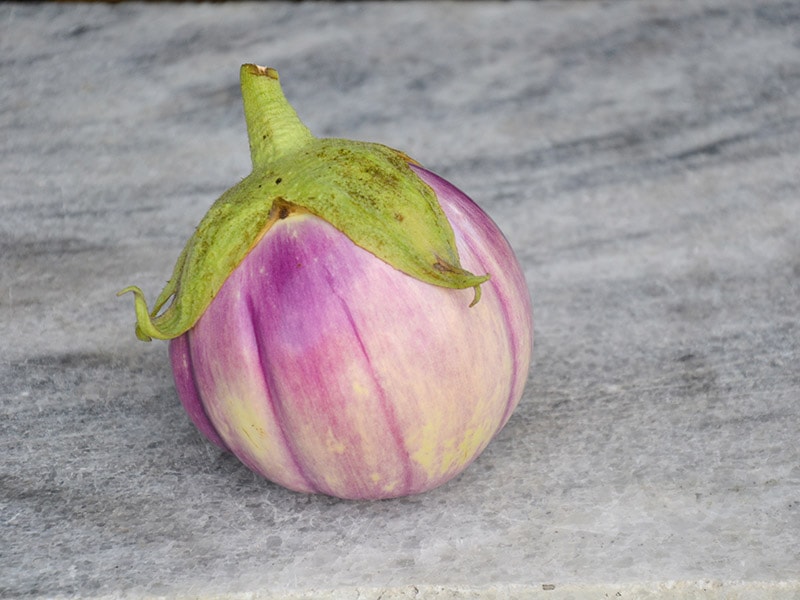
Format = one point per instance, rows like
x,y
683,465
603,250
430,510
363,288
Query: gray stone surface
x,y
643,159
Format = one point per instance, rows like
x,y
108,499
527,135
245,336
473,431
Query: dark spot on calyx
x,y
443,267
278,180
281,209
398,217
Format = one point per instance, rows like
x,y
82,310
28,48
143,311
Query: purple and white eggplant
x,y
325,322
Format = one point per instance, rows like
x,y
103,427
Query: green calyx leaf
x,y
367,191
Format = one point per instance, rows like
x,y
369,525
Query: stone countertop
x,y
642,158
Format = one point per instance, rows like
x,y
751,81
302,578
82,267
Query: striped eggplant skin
x,y
326,370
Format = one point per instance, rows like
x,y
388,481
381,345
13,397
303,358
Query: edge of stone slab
x,y
667,590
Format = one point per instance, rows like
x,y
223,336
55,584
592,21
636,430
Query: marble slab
x,y
643,158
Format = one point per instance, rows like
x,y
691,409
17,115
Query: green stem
x,y
273,127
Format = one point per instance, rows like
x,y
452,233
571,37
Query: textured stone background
x,y
642,158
